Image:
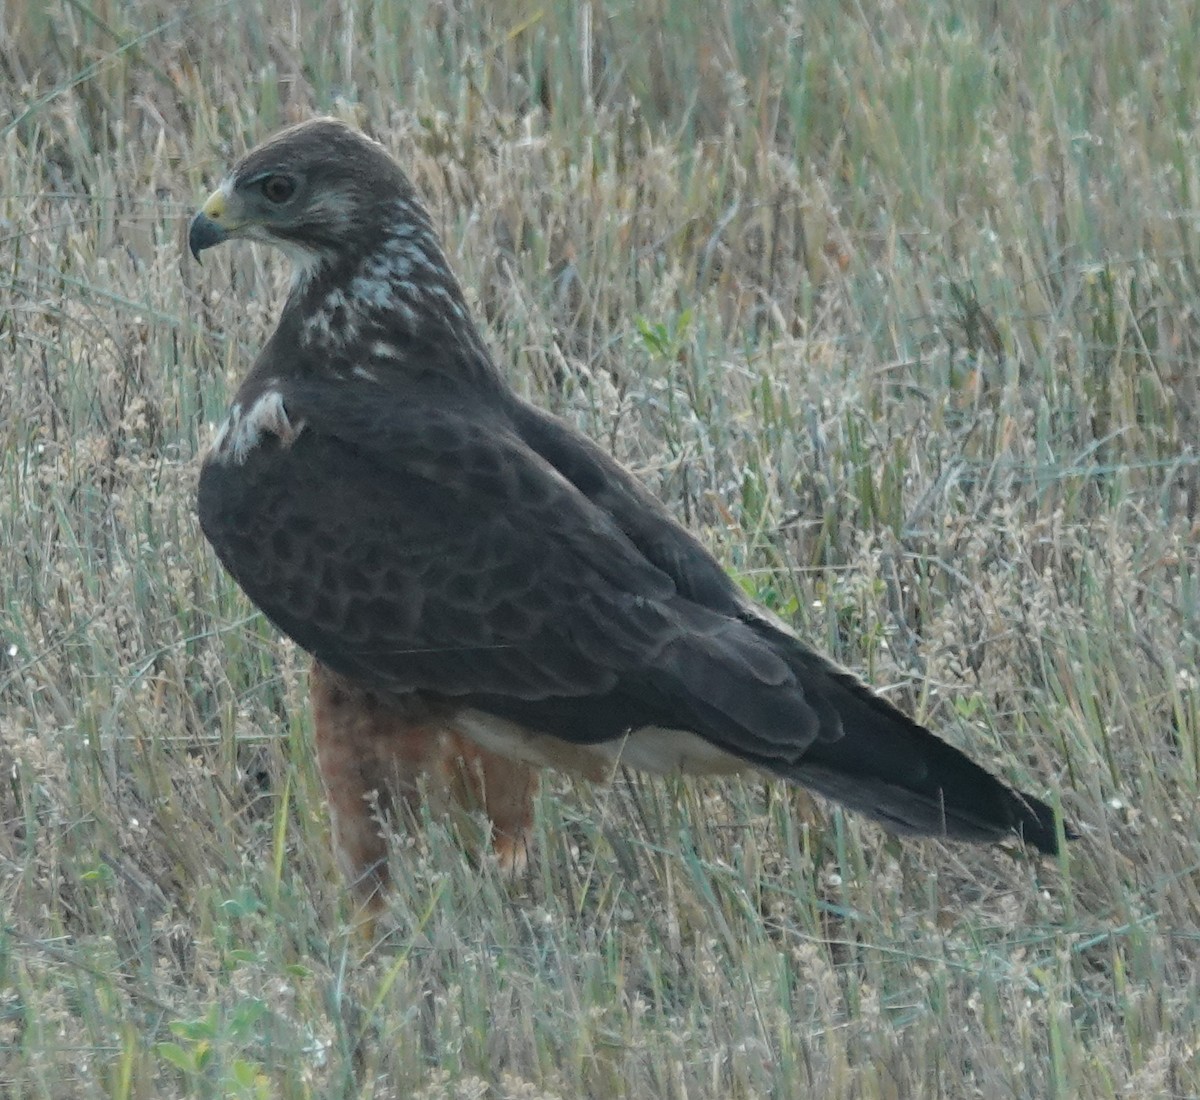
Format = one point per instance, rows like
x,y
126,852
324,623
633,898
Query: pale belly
x,y
650,749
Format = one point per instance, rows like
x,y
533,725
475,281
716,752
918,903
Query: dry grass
x,y
896,304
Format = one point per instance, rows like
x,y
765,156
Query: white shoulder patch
x,y
243,430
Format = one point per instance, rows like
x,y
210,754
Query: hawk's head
x,y
320,191
370,273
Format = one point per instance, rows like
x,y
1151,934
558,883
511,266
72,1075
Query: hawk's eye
x,y
278,188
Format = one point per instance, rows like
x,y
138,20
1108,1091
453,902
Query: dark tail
x,y
888,767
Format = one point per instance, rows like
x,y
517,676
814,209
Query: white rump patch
x,y
244,430
650,749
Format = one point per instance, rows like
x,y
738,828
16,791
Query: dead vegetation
x,y
897,308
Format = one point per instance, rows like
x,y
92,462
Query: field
x,y
896,305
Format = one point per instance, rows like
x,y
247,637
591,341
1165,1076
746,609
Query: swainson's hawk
x,y
484,590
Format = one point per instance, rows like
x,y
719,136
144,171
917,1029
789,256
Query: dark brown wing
x,y
868,754
638,514
423,546
417,547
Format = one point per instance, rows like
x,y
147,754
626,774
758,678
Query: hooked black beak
x,y
216,221
204,233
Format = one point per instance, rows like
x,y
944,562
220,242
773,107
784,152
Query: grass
x,y
895,304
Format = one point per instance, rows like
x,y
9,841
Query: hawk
x,y
484,591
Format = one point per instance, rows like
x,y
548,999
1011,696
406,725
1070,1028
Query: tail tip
x,y
1038,826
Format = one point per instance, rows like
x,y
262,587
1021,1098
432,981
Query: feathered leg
x,y
372,755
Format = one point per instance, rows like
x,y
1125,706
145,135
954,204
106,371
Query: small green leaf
x,y
178,1057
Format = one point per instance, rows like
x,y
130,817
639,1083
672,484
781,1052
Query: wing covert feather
x,y
419,549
